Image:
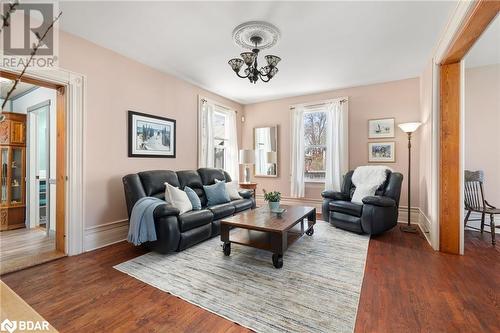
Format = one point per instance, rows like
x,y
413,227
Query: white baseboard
x,y
105,234
114,232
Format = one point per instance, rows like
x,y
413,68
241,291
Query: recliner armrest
x,y
328,194
245,194
379,201
165,210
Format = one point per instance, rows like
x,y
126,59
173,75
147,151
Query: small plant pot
x,y
274,206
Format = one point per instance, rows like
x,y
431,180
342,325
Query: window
x,y
315,146
221,140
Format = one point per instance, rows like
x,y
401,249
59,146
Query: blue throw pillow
x,y
216,193
193,197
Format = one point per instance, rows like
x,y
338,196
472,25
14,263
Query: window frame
x,y
225,140
306,146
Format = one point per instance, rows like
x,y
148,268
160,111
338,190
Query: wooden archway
x,y
481,15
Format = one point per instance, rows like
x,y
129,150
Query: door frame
x,y
451,93
33,151
69,151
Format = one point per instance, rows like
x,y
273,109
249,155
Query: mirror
x,y
266,151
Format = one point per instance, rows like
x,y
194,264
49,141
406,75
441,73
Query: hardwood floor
x,y
23,248
407,288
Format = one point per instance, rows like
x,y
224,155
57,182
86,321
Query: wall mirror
x,y
266,151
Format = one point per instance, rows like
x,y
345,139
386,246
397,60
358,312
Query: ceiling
x,y
324,45
486,51
21,89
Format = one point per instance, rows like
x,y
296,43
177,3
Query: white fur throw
x,y
367,179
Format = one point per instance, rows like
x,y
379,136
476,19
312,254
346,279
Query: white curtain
x,y
232,166
206,142
206,138
337,153
297,149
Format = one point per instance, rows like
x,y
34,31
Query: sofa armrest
x,y
379,201
165,210
333,195
245,194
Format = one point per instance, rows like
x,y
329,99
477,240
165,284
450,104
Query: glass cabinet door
x,y
16,176
4,161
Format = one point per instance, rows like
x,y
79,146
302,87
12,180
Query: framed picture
x,y
381,152
150,136
381,128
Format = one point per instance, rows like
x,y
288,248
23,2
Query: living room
x,y
161,82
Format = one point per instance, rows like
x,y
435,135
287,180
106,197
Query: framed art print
x,y
150,136
381,128
379,152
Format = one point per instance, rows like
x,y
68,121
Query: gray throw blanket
x,y
142,222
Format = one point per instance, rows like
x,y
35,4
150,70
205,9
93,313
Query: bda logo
x,y
8,325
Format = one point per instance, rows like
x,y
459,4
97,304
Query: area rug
x,y
317,290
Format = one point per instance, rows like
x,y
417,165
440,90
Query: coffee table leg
x,y
278,245
277,260
311,218
224,237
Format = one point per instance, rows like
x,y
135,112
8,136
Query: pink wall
x,y
425,135
116,84
482,126
399,99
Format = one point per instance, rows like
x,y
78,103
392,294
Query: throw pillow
x,y
232,189
362,191
177,198
193,197
216,193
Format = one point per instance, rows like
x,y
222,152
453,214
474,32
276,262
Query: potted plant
x,y
273,198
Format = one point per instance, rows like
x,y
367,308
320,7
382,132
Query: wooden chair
x,y
475,202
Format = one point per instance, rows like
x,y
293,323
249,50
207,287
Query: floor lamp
x,y
409,128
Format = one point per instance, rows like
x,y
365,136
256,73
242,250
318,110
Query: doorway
x,y
482,139
474,23
28,152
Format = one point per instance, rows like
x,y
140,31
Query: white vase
x,y
274,206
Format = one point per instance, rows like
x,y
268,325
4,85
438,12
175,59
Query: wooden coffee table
x,y
262,229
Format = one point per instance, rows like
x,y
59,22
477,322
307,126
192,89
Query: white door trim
x,y
75,85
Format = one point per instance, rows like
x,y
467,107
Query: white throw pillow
x,y
232,189
363,191
177,198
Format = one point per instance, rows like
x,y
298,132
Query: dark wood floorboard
x,y
407,288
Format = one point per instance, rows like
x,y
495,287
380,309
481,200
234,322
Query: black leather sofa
x,y
377,214
176,232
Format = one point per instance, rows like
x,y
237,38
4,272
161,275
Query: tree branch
x,y
6,16
32,55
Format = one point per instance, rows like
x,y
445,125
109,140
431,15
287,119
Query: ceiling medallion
x,y
256,36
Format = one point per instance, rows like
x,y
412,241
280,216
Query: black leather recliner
x,y
176,232
377,214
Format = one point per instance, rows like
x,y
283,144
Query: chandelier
x,y
255,35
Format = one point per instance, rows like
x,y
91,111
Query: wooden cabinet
x,y
12,171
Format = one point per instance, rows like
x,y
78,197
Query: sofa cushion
x,y
177,198
192,179
346,207
221,211
242,204
216,194
209,175
195,218
232,189
193,197
154,181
